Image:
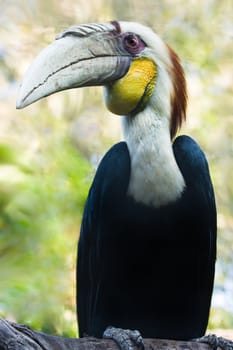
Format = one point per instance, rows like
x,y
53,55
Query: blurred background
x,y
49,151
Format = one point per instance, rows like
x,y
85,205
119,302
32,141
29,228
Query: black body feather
x,y
146,268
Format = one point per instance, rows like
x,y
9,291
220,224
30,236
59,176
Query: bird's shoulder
x,y
195,170
191,160
114,170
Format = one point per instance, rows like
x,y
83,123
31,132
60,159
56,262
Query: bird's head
x,y
137,69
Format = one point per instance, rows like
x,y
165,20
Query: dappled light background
x,y
49,151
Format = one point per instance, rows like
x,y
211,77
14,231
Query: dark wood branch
x,y
20,337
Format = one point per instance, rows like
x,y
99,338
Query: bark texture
x,y
20,337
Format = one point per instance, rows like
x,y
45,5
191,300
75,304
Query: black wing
x,y
194,167
111,180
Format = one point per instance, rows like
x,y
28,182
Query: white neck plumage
x,y
155,178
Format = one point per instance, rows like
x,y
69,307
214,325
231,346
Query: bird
x,y
147,246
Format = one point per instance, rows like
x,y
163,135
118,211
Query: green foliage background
x,y
49,151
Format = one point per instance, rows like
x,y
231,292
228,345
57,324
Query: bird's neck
x,y
155,178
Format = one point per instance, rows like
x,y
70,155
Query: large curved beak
x,y
84,55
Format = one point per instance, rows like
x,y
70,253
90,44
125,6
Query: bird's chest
x,y
140,238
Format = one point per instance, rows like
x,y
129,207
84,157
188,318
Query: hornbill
x,y
147,248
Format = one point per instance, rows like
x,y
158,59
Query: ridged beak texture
x,y
85,55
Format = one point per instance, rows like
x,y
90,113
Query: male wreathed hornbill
x,y
147,247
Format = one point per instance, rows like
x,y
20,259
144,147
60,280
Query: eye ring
x,y
133,43
131,40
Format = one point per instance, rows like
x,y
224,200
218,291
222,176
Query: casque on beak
x,y
85,55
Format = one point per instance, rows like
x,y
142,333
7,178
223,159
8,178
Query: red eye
x,y
133,43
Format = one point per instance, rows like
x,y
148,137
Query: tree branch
x,y
20,337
